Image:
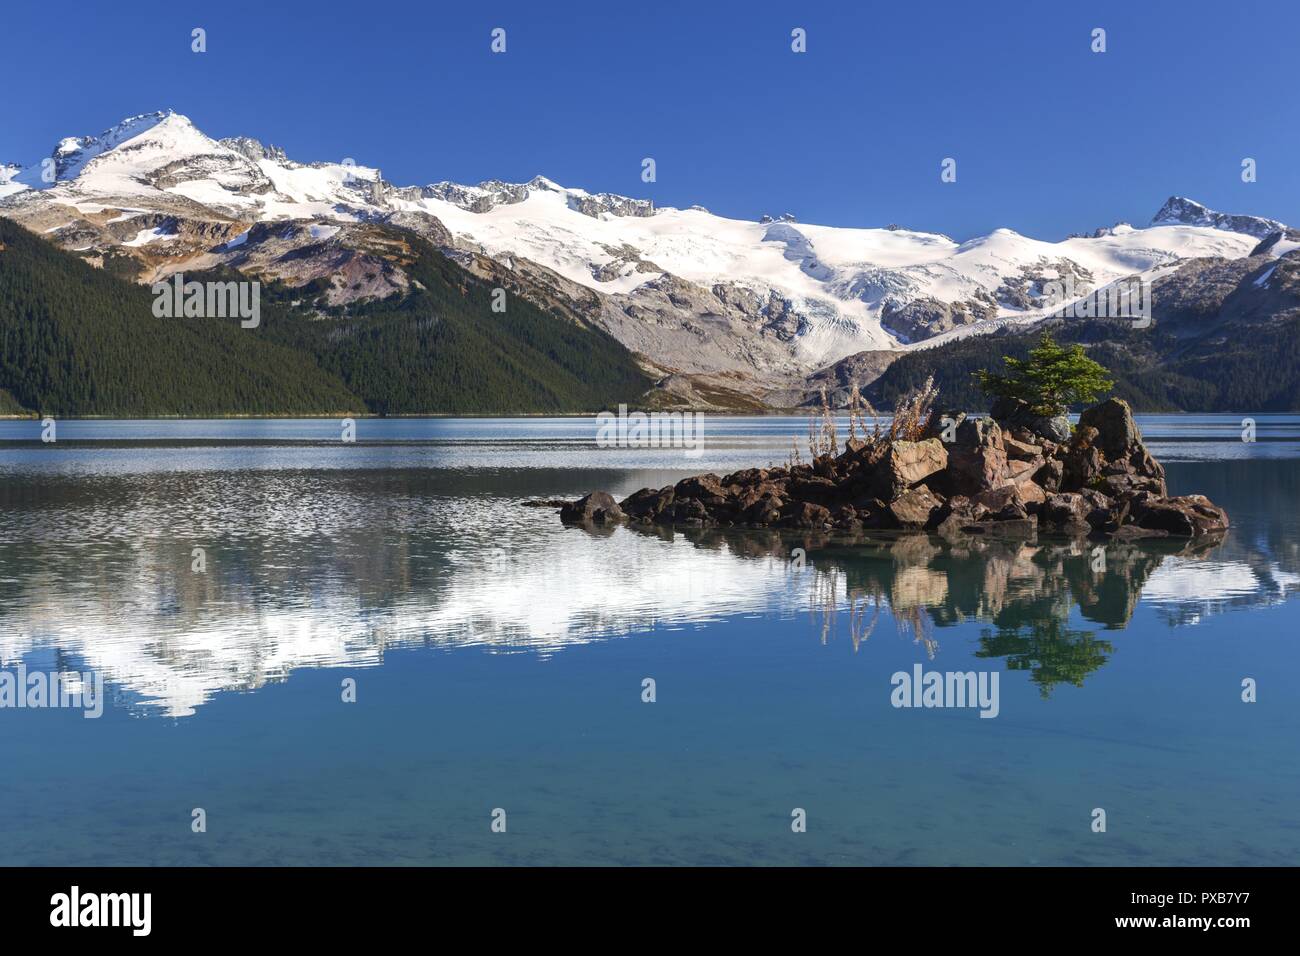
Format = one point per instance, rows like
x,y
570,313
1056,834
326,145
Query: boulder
x,y
646,504
977,459
1049,476
1013,500
1018,471
911,462
1183,516
1067,511
822,491
686,511
599,507
805,514
886,470
706,488
749,476
915,508
1117,432
1126,485
1012,413
1022,451
764,510
957,512
1108,445
1082,461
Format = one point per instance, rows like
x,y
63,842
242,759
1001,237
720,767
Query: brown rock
x,y
749,476
765,511
815,488
995,499
687,511
915,508
1082,462
1022,450
1031,493
1049,476
1185,515
977,460
1022,470
805,514
645,504
599,507
1066,511
700,487
911,462
1117,432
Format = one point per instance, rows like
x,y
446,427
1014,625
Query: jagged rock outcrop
x,y
1182,211
984,479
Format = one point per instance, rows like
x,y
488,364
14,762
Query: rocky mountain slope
x,y
719,311
1225,336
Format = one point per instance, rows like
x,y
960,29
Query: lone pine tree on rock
x,y
1050,380
1038,390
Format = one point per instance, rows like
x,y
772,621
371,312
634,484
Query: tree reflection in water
x,y
1026,588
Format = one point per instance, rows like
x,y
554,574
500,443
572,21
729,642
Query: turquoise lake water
x,y
499,660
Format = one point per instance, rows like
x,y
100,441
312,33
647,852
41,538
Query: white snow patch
x,y
146,236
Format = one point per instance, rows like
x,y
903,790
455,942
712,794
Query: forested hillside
x,y
75,340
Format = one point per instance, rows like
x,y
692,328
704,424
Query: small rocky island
x,y
1013,472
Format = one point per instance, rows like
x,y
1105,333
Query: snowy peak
x,y
1179,210
162,162
73,153
142,154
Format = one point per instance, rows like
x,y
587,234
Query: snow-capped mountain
x,y
1180,211
760,303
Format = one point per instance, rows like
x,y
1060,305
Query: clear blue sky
x,y
1049,137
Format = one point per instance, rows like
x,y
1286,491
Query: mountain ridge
x,y
754,307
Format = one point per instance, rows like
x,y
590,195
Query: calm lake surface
x,y
498,660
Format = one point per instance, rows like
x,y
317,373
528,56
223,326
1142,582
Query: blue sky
x,y
1049,137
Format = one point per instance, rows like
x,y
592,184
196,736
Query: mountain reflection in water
x,y
331,569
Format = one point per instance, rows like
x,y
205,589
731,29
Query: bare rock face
x,y
911,462
978,459
1117,432
1107,453
1104,483
923,318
